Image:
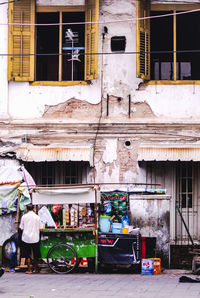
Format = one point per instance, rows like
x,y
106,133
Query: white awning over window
x,y
169,152
55,153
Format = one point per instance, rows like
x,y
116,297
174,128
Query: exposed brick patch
x,y
71,109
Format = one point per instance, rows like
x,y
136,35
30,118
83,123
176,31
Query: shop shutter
x,y
21,41
91,39
143,40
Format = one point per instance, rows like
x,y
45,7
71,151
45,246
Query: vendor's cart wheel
x,y
62,258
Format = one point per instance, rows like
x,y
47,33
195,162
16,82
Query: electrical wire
x,y
9,2
100,53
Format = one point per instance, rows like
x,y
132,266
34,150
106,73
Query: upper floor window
x,y
185,185
169,49
68,40
57,47
48,173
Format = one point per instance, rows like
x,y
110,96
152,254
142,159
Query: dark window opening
x,y
47,65
161,40
73,44
187,45
185,185
48,173
118,43
188,30
62,57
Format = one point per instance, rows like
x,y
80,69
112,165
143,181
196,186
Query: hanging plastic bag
x,y
108,209
125,219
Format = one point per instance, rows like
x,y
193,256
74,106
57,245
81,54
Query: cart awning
x,y
168,152
64,196
55,153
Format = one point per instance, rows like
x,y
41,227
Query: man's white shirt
x,y
31,225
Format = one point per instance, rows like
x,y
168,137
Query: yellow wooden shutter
x,y
143,40
91,39
21,41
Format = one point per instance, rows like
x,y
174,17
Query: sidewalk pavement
x,y
91,285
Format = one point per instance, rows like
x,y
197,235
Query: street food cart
x,y
64,244
72,227
120,243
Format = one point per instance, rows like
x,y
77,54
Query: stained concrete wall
x,y
152,214
116,76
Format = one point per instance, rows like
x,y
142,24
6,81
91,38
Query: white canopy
x,y
64,196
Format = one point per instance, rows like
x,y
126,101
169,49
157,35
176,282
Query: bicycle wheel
x,y
62,258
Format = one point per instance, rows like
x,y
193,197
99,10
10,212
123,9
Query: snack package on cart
x,y
65,216
74,216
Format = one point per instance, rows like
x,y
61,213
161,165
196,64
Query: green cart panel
x,y
84,246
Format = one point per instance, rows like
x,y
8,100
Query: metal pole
x,y
187,230
96,231
72,60
129,105
18,207
107,109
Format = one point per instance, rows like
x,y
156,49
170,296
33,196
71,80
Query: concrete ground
x,y
46,284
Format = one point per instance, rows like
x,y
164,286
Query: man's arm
x,y
21,226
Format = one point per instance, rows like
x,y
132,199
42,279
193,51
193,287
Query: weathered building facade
x,y
106,92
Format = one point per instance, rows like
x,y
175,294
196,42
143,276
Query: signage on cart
x,y
108,242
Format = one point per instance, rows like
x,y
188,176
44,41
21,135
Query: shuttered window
x,y
91,39
22,62
143,40
21,40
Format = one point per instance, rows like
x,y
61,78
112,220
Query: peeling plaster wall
x,y
172,102
152,216
118,78
128,160
115,161
26,101
110,153
106,163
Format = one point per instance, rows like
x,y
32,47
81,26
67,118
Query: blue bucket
x,y
104,223
116,228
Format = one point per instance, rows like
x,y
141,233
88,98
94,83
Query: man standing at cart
x,y
30,225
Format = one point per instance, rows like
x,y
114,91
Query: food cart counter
x,y
119,249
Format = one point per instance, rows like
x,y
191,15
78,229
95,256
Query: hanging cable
x,y
100,53
9,2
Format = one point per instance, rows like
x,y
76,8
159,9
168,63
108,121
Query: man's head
x,y
29,207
